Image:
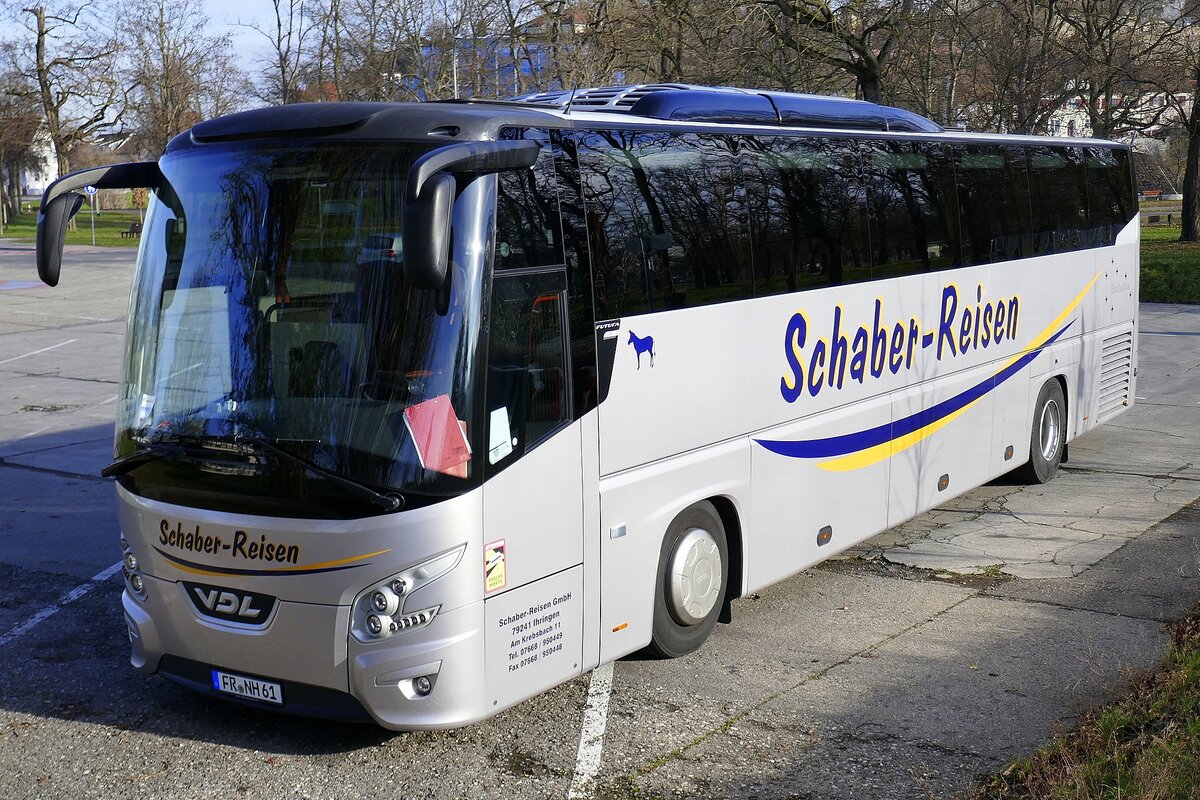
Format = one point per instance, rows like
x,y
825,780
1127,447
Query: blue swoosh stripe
x,y
872,437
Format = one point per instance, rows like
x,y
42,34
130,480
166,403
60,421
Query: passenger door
x,y
533,492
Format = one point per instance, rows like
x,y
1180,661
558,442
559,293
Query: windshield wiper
x,y
152,452
244,445
388,502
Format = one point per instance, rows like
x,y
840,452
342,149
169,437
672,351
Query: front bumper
x,y
325,672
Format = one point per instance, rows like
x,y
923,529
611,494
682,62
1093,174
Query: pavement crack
x,y
63,377
1135,474
884,737
1067,607
1151,431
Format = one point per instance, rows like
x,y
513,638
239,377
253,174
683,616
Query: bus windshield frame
x,y
263,312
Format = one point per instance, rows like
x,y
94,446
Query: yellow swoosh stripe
x,y
873,455
283,570
336,563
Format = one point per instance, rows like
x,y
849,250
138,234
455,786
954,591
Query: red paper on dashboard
x,y
439,437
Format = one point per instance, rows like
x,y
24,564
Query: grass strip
x,y
1170,268
1145,746
109,227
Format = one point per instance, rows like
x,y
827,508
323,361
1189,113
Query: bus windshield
x,y
270,306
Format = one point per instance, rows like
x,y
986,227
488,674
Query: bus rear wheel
x,y
1048,435
692,578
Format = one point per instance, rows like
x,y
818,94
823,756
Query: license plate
x,y
249,688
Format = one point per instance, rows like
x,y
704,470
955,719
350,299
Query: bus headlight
x,y
380,611
132,570
385,601
376,624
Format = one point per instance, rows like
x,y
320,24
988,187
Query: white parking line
x,y
68,598
591,738
35,352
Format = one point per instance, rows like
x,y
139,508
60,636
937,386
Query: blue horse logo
x,y
642,345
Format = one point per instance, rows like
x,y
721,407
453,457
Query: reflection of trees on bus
x,y
687,219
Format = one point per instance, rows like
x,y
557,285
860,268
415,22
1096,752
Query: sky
x,y
231,16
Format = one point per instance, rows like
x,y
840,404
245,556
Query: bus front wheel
x,y
692,577
1048,435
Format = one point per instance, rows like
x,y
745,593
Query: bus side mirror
x,y
429,199
426,221
52,232
60,201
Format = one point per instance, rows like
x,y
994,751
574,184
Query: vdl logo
x,y
230,605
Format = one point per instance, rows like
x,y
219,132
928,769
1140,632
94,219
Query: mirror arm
x,y
112,176
471,158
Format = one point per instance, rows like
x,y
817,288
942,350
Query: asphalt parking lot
x,y
936,651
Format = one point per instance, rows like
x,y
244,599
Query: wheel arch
x,y
735,543
1068,418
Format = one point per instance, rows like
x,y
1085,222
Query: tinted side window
x,y
528,394
579,276
1058,199
993,202
1110,193
806,215
527,228
665,220
910,197
612,197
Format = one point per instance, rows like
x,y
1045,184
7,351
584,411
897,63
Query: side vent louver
x,y
1116,370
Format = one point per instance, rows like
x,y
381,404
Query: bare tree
x,y
70,52
179,71
931,73
20,122
1126,50
1023,72
289,35
856,37
1189,113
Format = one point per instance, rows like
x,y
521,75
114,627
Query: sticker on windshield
x,y
145,410
500,438
495,569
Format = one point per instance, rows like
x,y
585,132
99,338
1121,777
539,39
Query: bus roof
x,y
647,106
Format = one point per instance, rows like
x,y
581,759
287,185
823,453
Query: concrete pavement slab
x,y
1155,576
782,637
919,715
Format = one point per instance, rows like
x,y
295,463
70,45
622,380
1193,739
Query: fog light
x,y
131,562
422,685
136,582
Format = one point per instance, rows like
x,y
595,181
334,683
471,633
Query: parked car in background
x,y
382,247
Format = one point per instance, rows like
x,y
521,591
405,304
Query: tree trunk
x,y
870,85
1190,231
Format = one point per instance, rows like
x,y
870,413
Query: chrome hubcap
x,y
695,577
1050,427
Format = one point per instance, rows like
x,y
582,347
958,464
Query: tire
x,y
693,574
1047,436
